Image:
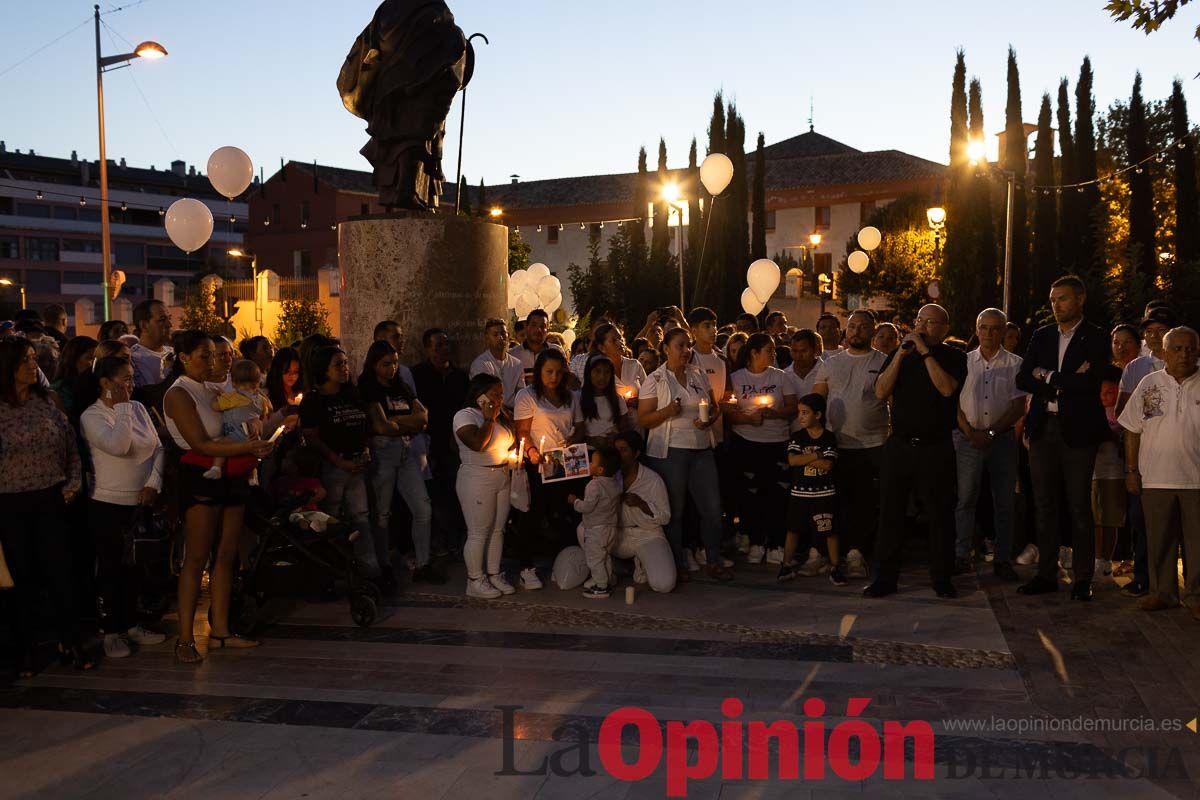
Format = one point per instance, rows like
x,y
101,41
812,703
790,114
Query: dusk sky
x,y
565,87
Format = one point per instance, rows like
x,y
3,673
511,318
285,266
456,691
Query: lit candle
x,y
764,400
628,392
703,410
299,397
521,450
542,443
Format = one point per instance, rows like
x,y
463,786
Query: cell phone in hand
x,y
483,402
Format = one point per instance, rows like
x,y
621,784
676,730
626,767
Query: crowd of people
x,y
816,451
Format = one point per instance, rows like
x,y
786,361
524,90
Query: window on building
x,y
305,211
301,263
365,209
69,212
822,217
130,254
33,210
594,230
38,249
6,205
82,278
39,281
552,234
89,215
770,220
82,245
10,247
865,209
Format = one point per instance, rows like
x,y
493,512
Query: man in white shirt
x,y
801,376
702,322
535,342
152,355
1162,457
497,361
859,419
1154,327
989,405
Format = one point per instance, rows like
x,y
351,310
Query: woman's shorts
x,y
223,492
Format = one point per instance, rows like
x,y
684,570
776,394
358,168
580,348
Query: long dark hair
x,y
755,343
562,393
367,381
601,333
587,395
12,353
320,360
280,364
478,386
88,391
68,370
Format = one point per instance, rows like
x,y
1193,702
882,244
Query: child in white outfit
x,y
600,505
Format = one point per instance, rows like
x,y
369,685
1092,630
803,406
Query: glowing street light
x,y
936,215
9,282
672,195
496,212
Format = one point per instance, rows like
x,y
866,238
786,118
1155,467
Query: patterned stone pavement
x,y
410,706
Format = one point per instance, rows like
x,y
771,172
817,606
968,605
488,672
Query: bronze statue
x,y
401,76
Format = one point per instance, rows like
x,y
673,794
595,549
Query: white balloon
x,y
553,305
548,287
537,272
230,171
518,280
763,278
750,302
716,172
513,295
869,238
858,261
569,337
189,224
527,300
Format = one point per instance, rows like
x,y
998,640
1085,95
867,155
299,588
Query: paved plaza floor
x,y
409,707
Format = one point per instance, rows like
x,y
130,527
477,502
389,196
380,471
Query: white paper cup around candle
x,y
629,594
703,410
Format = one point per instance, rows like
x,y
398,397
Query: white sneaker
x,y
701,556
775,555
1066,557
743,543
639,572
691,562
1029,555
530,580
755,556
115,646
815,565
142,636
481,588
856,567
500,582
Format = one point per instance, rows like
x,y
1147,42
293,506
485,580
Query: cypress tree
x,y
737,223
1187,206
708,290
956,253
483,206
1142,253
1015,159
464,205
758,206
634,253
1069,220
695,232
1091,254
660,240
958,118
1045,215
641,189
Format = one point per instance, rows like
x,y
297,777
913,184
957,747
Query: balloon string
x,y
703,246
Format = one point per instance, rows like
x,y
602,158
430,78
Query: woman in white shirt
x,y
486,447
127,460
629,372
678,410
645,509
758,414
545,417
600,411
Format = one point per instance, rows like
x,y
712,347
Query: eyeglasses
x,y
931,321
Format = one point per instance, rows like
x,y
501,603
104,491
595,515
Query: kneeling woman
x,y
485,439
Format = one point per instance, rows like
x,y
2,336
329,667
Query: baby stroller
x,y
289,560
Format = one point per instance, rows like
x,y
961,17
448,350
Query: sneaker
x,y
856,567
1029,555
756,554
639,572
530,580
815,565
775,555
115,646
482,588
837,576
701,557
692,566
787,572
989,550
143,636
596,592
743,543
500,582
1066,557
1134,589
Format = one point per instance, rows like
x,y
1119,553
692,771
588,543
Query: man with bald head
x,y
1062,370
922,379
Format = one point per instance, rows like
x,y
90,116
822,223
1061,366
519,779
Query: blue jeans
x,y
1000,460
394,468
694,473
346,499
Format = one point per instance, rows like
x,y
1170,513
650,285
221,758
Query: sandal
x,y
75,656
230,642
186,653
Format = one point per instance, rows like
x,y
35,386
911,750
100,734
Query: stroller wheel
x,y
363,610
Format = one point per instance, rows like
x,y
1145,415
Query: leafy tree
x,y
758,203
518,250
200,312
1014,158
1187,206
301,318
591,287
1147,16
1045,213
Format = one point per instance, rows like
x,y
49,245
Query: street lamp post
x,y
10,282
148,50
237,252
672,195
975,151
936,215
814,239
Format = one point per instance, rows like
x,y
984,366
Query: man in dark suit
x,y
1066,423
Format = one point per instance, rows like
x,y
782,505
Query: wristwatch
x,y
991,433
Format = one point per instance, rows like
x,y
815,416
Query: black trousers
x,y
1062,472
764,488
858,491
927,469
34,533
550,523
119,584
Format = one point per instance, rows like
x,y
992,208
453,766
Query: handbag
x,y
147,539
235,466
6,579
518,492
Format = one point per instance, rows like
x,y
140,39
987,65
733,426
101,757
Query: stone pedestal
x,y
423,271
